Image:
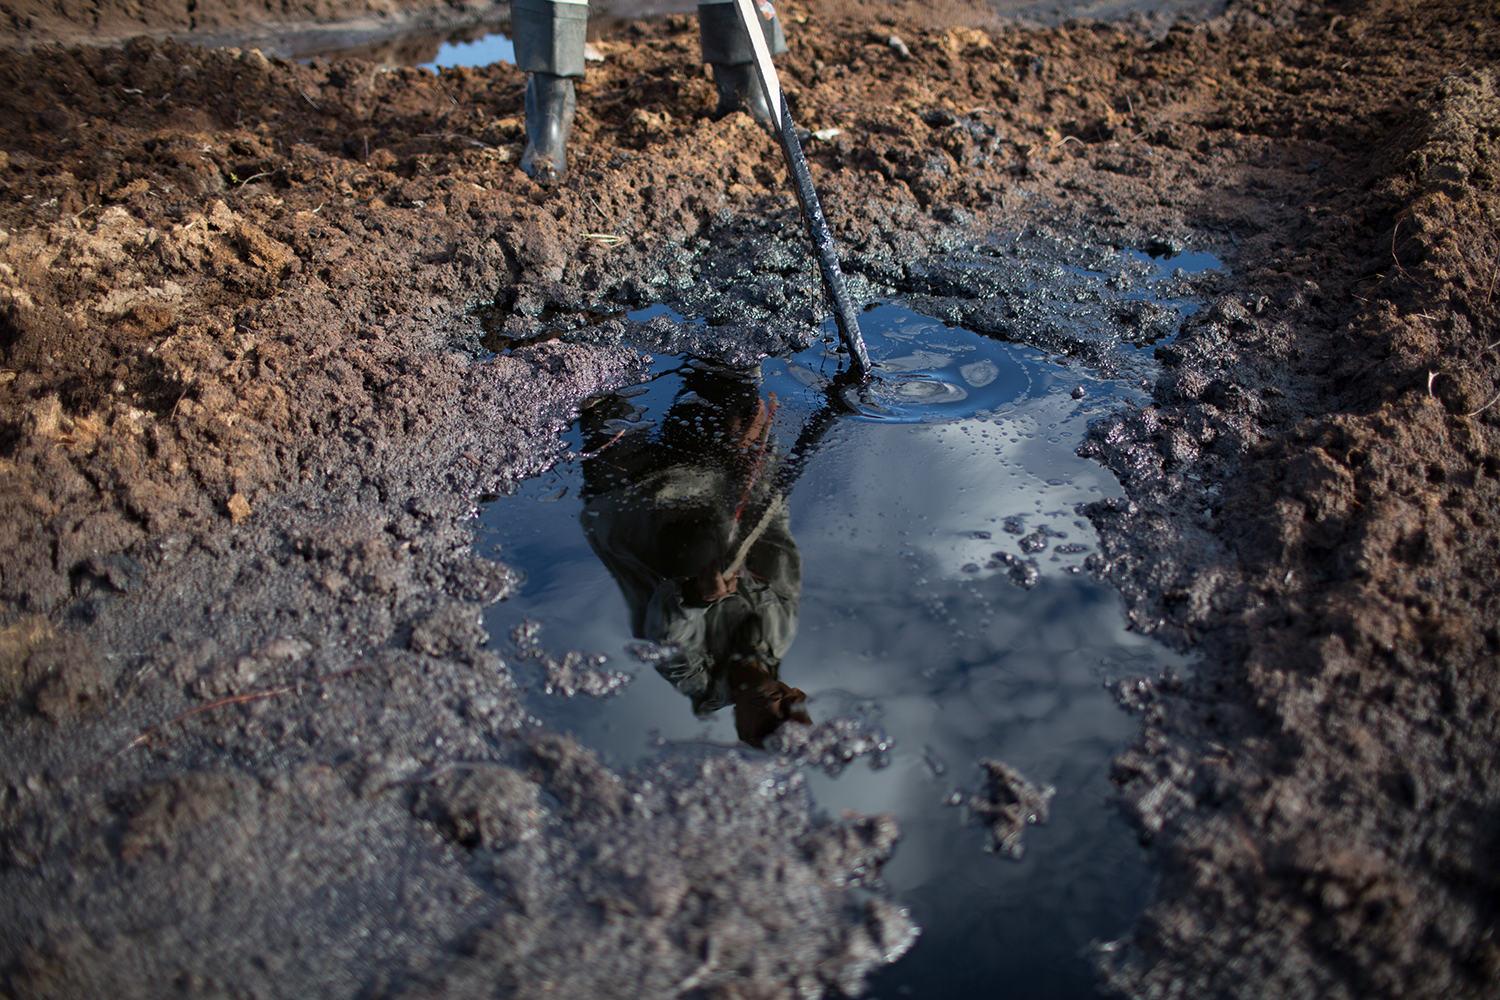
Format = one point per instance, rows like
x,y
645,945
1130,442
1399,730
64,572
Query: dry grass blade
x,y
238,699
1486,406
454,135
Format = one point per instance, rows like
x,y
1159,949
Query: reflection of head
x,y
762,704
712,411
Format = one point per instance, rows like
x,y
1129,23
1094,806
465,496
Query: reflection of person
x,y
549,37
689,521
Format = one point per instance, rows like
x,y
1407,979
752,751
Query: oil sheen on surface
x,y
943,599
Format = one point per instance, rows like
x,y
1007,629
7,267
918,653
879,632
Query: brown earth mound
x,y
243,402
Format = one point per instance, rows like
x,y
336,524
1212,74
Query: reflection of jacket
x,y
656,533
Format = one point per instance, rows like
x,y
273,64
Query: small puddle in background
x,y
480,52
430,48
481,44
943,599
478,42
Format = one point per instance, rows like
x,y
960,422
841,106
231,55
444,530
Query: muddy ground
x,y
254,741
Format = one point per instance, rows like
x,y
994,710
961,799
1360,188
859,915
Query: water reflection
x,y
911,514
691,520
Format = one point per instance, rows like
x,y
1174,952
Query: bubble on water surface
x,y
889,397
980,373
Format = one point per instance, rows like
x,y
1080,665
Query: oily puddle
x,y
943,603
427,48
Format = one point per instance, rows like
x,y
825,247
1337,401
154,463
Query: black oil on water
x,y
943,598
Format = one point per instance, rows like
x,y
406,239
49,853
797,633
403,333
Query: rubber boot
x,y
740,90
727,49
550,104
549,37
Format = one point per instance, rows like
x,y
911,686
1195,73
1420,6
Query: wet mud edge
x,y
244,409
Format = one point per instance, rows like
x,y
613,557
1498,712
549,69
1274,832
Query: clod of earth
x,y
1008,804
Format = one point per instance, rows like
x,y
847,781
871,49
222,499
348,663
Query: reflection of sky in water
x,y
1191,261
907,614
1164,267
489,49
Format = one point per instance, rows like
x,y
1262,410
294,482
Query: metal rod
x,y
844,312
790,469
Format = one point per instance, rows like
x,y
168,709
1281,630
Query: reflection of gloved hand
x,y
762,703
726,48
549,41
712,585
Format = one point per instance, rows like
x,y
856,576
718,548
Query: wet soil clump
x,y
253,735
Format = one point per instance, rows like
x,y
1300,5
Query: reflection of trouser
x,y
549,35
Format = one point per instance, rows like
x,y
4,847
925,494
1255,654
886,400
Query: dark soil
x,y
253,740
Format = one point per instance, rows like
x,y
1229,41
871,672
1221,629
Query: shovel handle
x,y
844,312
